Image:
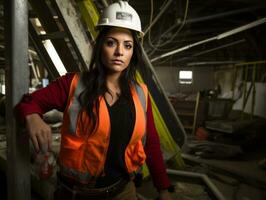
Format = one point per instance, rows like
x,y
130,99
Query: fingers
x,y
40,132
35,143
50,140
41,140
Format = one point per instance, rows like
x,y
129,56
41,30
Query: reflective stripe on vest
x,y
75,108
143,101
82,155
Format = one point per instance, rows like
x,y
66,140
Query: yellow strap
x,y
169,148
90,15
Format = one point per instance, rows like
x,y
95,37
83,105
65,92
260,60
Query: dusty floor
x,y
238,178
236,187
230,188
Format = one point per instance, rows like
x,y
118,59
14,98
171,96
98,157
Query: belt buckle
x,y
107,192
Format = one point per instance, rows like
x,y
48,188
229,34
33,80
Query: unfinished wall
x,y
229,81
225,78
260,103
203,79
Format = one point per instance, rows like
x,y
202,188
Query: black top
x,y
122,119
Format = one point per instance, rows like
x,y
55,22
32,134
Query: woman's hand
x,y
164,195
40,133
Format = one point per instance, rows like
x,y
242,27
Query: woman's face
x,y
117,49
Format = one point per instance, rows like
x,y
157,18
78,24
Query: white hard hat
x,y
120,14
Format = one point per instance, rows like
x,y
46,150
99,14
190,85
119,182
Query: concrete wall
x,y
203,79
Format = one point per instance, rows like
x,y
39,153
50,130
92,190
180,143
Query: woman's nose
x,y
119,50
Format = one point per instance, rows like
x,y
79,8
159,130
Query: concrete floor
x,y
237,179
230,184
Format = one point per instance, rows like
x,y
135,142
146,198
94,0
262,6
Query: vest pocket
x,y
135,156
72,152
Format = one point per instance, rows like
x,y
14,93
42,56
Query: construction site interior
x,y
206,64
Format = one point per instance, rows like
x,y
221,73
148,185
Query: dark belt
x,y
68,191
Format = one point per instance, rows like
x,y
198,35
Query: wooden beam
x,y
50,26
69,18
42,52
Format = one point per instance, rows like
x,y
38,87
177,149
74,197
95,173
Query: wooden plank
x,y
42,53
68,16
48,22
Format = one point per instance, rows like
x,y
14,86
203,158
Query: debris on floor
x,y
188,191
207,149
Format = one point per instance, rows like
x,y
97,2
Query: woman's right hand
x,y
40,133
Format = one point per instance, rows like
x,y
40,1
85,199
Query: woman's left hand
x,y
164,195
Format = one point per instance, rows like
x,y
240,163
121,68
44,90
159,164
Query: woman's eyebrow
x,y
110,37
128,41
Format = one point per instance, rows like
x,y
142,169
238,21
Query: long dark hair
x,y
94,79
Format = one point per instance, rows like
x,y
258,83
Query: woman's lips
x,y
118,62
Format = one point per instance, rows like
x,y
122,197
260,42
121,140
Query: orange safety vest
x,y
82,154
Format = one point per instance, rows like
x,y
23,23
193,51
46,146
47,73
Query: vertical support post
x,y
195,118
245,69
254,90
17,83
234,82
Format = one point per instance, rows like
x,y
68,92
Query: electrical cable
x,y
158,46
179,29
158,16
151,22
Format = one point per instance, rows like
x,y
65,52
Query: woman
x,y
108,129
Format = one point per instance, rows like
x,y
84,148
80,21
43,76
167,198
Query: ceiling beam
x,y
218,37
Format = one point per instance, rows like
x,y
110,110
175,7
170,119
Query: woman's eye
x,y
110,43
128,46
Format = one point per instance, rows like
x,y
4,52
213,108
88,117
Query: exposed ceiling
x,y
180,23
186,22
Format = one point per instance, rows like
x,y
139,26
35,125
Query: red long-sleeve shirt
x,y
55,96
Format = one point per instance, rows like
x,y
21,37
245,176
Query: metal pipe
x,y
212,63
203,177
242,28
213,49
17,82
158,16
183,48
252,63
224,14
219,15
218,37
